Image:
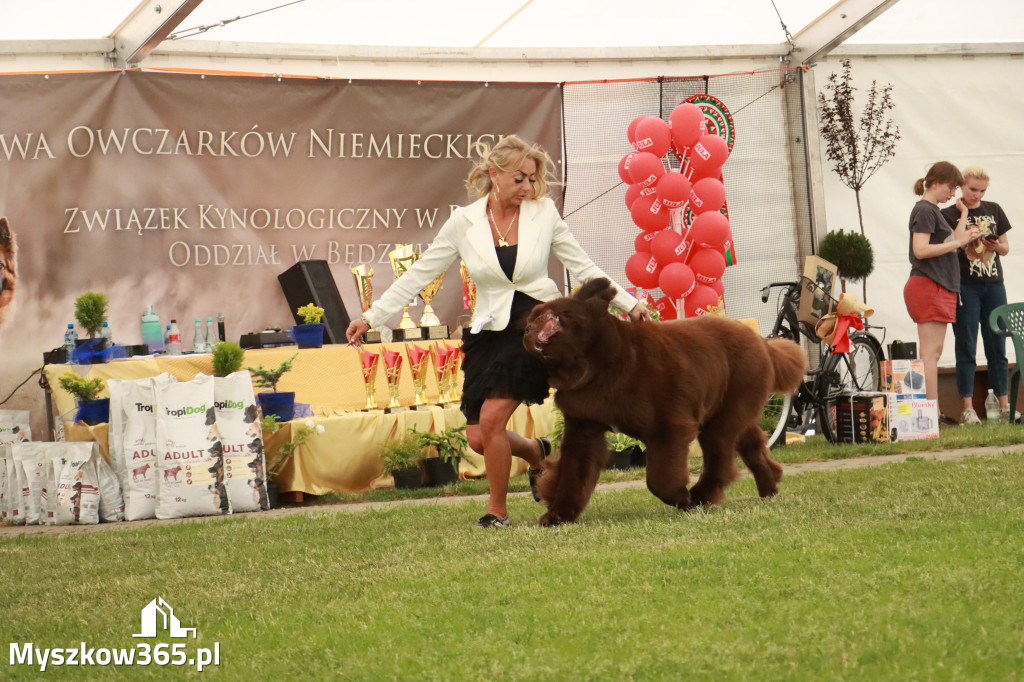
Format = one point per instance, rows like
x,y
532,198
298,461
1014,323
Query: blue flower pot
x,y
310,335
281,404
93,412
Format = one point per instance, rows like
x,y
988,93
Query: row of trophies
x,y
430,327
445,359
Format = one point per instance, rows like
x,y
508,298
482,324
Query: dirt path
x,y
7,532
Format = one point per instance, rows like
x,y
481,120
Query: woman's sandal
x,y
534,474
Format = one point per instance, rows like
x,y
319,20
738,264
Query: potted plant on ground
x,y
227,358
91,410
300,436
402,457
311,333
625,452
91,313
279,403
450,446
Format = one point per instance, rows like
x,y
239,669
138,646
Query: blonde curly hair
x,y
508,155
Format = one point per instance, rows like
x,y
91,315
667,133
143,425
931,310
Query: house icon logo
x,y
159,614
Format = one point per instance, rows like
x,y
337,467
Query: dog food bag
x,y
121,411
111,498
242,438
50,491
138,450
6,496
190,457
14,426
30,464
78,492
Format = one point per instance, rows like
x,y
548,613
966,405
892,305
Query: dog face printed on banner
x,y
8,269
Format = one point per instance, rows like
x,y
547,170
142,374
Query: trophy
x,y
454,361
419,365
431,326
402,258
393,367
364,287
468,288
370,362
439,355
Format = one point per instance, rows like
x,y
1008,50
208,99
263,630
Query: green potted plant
x,y
310,334
850,252
227,358
91,313
402,457
450,446
279,403
91,409
625,452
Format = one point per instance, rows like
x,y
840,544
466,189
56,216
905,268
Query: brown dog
x,y
664,383
8,271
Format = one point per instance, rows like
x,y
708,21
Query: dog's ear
x,y
599,288
6,236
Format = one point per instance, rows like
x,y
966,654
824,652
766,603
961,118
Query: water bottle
x,y
167,338
173,338
106,334
211,335
70,336
151,331
991,407
198,338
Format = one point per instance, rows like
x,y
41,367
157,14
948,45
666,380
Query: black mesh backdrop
x,y
765,176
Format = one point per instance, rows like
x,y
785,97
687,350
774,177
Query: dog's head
x,y
563,331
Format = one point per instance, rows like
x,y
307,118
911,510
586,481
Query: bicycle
x,y
814,404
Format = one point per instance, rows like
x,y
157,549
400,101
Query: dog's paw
x,y
549,520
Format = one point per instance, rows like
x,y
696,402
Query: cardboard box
x,y
913,418
816,294
904,377
863,418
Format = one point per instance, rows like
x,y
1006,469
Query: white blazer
x,y
467,235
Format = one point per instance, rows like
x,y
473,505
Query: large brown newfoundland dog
x,y
664,383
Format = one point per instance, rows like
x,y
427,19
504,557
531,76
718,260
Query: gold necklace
x,y
501,236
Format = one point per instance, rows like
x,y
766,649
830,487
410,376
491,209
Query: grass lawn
x,y
911,571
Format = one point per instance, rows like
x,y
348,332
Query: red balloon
x,y
633,193
687,125
673,189
642,243
708,194
649,214
624,167
700,300
677,280
708,265
667,247
631,129
719,288
710,230
645,169
708,155
652,135
666,308
642,270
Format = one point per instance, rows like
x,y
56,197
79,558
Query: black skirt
x,y
496,365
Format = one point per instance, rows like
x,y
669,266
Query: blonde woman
x,y
981,291
505,237
931,291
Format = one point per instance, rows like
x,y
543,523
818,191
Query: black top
x,y
978,264
944,270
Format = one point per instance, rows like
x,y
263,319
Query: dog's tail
x,y
788,363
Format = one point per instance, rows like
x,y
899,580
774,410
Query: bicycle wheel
x,y
854,372
774,418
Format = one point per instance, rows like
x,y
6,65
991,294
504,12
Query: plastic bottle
x,y
220,327
70,336
173,339
106,334
198,337
991,407
211,335
167,337
151,331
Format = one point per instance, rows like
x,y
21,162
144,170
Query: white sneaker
x,y
1004,415
969,416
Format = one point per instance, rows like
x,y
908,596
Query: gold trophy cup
x,y
364,287
369,362
431,325
402,258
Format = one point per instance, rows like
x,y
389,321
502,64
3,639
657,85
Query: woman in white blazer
x,y
505,238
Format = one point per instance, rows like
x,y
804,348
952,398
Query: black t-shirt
x,y
944,270
979,264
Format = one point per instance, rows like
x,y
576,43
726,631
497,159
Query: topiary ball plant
x,y
850,252
91,312
227,358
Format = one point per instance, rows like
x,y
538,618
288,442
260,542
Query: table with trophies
x,y
361,396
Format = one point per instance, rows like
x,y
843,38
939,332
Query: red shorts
x,y
928,302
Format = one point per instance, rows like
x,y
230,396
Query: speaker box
x,y
311,281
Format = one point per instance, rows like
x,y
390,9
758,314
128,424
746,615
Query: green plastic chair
x,y
1008,320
